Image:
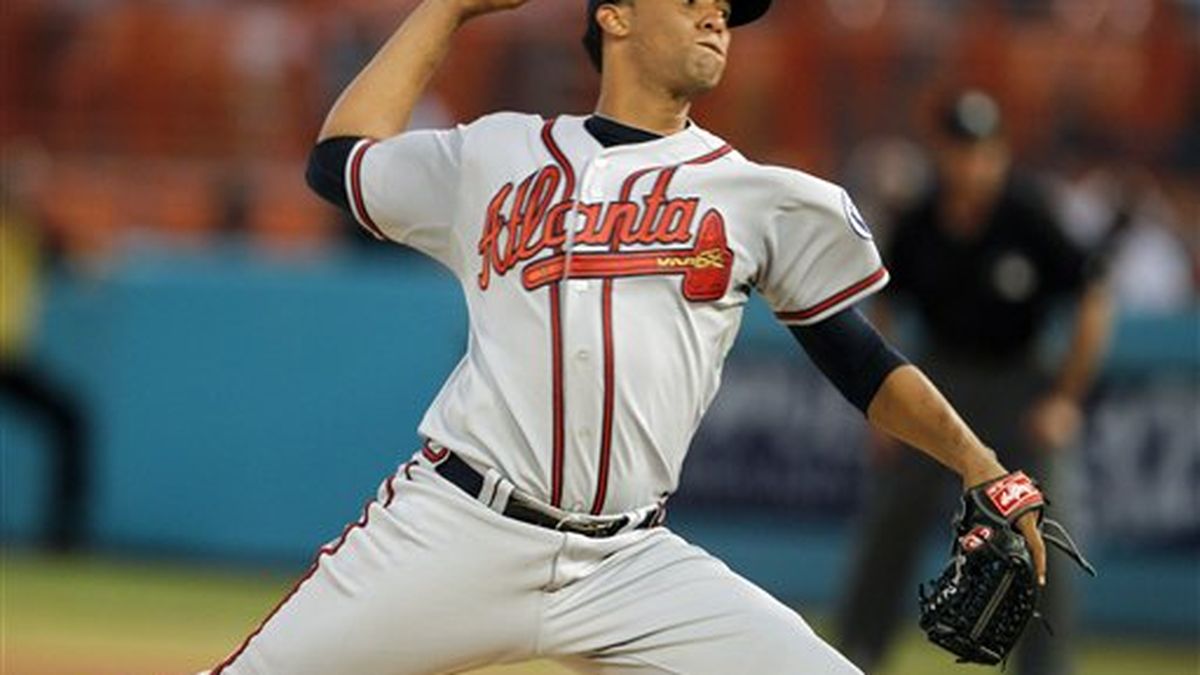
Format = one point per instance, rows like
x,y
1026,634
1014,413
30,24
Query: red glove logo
x,y
975,538
1013,492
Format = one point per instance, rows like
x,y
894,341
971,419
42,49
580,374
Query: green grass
x,y
65,616
110,613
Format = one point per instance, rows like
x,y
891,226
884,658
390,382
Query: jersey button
x,y
583,355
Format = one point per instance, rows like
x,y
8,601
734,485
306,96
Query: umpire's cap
x,y
971,116
741,12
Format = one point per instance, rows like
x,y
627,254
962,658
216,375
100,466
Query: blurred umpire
x,y
980,261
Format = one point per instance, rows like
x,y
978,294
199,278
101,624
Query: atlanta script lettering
x,y
523,220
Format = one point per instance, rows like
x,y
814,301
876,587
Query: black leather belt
x,y
526,510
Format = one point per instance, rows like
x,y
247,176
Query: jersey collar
x,y
609,132
615,139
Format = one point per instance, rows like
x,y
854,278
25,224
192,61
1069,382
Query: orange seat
x,y
184,203
79,204
283,215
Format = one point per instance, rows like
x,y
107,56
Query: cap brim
x,y
745,11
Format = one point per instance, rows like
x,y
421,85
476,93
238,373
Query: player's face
x,y
682,44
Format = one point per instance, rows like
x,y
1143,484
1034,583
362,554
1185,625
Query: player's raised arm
x,y
380,100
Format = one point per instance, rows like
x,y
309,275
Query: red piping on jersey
x,y
432,455
360,204
841,296
607,323
556,481
556,349
312,570
606,320
712,156
559,157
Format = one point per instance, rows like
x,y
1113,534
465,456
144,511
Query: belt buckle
x,y
588,527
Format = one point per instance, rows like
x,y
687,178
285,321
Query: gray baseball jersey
x,y
605,287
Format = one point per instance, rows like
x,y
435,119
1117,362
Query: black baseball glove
x,y
980,604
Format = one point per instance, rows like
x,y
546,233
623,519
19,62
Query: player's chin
x,y
704,76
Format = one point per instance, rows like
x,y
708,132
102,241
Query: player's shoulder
x,y
787,185
801,186
795,186
796,189
503,122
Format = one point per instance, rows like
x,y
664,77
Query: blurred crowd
x,y
186,122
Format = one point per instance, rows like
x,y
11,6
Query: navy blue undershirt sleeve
x,y
851,354
326,173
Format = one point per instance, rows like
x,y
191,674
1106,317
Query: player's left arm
x,y
899,400
895,396
909,407
822,260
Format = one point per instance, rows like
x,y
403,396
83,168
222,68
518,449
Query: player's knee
x,y
817,656
797,648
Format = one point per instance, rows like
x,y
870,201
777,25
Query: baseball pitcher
x,y
605,260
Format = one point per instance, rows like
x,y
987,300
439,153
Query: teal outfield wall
x,y
245,409
241,408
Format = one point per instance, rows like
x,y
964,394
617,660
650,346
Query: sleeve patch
x,y
853,216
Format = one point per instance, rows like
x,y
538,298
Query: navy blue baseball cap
x,y
741,13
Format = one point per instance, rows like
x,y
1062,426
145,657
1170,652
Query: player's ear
x,y
613,19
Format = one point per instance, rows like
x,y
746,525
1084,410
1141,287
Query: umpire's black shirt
x,y
986,295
